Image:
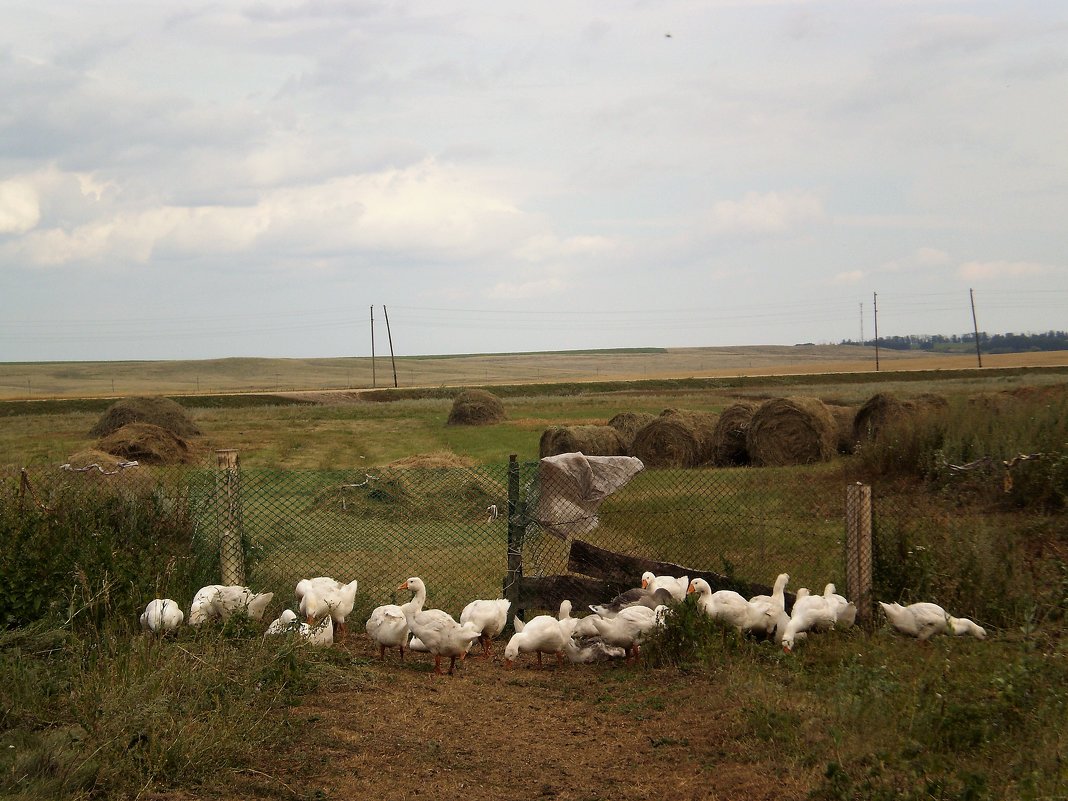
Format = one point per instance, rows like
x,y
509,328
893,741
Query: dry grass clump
x,y
476,407
728,437
883,409
437,459
677,438
792,431
158,411
589,440
147,443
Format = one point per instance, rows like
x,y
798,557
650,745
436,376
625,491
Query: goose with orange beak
x,y
436,629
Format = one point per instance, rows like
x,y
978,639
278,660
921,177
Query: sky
x,y
187,180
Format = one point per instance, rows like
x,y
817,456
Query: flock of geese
x,y
613,630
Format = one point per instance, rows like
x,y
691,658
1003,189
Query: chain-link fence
x,y
502,528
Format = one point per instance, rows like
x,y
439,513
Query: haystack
x,y
587,440
629,423
148,444
677,438
728,437
883,409
791,431
476,407
157,411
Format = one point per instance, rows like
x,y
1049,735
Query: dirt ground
x,y
488,733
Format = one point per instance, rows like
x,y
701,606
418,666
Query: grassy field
x,y
38,381
850,715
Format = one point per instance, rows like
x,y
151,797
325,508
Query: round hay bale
x,y
843,418
147,443
791,431
476,407
588,440
629,423
728,437
882,410
677,438
158,411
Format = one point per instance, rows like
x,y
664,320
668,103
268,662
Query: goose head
x,y
647,579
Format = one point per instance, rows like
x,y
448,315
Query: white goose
x,y
810,613
924,620
772,608
161,616
677,586
388,628
489,617
729,607
221,601
541,635
339,597
320,633
629,627
845,611
436,629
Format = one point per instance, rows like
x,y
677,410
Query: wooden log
x,y
546,592
621,569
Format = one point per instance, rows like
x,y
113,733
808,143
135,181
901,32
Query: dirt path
x,y
577,732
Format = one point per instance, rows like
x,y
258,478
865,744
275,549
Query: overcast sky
x,y
207,179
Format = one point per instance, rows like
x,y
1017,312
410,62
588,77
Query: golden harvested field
x,y
110,379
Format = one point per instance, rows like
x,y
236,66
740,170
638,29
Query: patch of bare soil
x,y
487,733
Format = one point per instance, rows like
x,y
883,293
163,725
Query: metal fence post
x,y
859,550
516,527
228,493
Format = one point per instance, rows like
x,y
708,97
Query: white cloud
x,y
527,290
994,270
931,257
19,208
850,277
771,212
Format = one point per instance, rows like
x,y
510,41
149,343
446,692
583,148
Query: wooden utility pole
x,y
975,326
230,519
374,380
390,336
875,309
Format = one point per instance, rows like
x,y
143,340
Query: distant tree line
x,y
988,343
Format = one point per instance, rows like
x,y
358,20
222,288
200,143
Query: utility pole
x,y
875,308
975,326
374,380
390,335
861,304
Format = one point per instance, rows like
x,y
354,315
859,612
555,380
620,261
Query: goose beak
x,y
403,586
645,584
690,589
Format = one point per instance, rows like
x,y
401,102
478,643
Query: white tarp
x,y
573,486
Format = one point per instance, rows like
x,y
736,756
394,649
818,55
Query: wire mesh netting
x,y
468,534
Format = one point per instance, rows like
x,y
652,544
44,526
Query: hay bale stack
x,y
476,407
588,440
628,424
157,411
791,431
148,444
728,437
883,410
843,418
677,438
